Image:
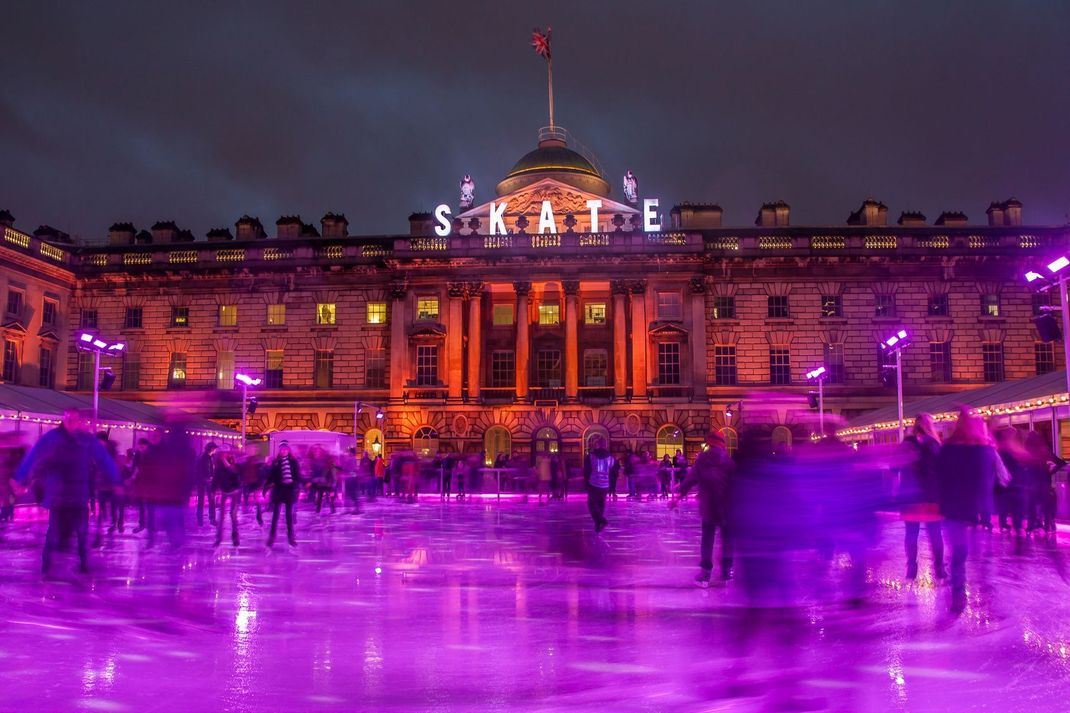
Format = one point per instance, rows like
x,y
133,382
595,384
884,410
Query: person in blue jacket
x,y
61,466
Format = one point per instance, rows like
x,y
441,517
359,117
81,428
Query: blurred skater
x,y
596,468
920,494
712,474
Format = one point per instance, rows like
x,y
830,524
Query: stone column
x,y
639,338
455,340
399,346
620,340
699,371
475,338
572,340
522,345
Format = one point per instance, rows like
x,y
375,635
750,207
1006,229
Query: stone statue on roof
x,y
631,188
468,192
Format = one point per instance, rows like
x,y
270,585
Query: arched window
x,y
546,441
731,440
425,441
496,441
669,439
374,443
592,433
781,440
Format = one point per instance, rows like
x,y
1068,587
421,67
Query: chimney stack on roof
x,y
695,215
6,219
334,225
164,231
774,215
121,234
952,218
1008,212
288,226
871,213
420,224
219,234
51,235
910,218
249,228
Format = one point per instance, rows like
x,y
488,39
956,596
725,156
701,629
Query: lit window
x,y
276,314
176,374
325,313
990,305
377,313
274,365
595,367
502,369
224,370
502,315
724,307
425,441
427,308
180,316
670,306
323,369
669,439
427,365
831,305
228,315
549,314
594,313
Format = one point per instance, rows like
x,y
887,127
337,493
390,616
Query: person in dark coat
x,y
167,482
969,467
712,474
63,461
596,468
228,485
205,469
284,479
920,494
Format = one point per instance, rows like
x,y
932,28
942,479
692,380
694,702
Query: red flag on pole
x,y
541,42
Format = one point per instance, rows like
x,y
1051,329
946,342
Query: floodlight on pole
x,y
246,382
819,375
1057,278
90,342
895,344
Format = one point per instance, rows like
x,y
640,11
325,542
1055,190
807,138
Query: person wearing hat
x,y
712,473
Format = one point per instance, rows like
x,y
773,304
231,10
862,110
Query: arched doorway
x,y
731,440
592,433
546,441
496,441
374,444
669,439
781,440
425,441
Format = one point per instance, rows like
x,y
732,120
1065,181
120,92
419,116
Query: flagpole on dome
x,y
541,43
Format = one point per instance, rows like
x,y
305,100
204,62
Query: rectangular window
x,y
779,367
427,308
670,306
724,307
884,305
274,363
595,367
549,314
180,316
176,374
46,376
992,361
548,368
724,366
669,363
83,378
228,315
14,302
502,369
11,363
835,372
778,307
48,312
940,362
375,369
1044,357
323,369
426,365
325,313
224,370
594,313
276,314
938,305
502,314
88,319
132,318
989,305
377,313
131,371
831,305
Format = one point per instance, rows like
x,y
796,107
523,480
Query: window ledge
x,y
833,320
132,330
273,328
786,321
324,327
224,330
726,321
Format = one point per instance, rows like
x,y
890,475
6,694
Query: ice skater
x,y
63,462
712,474
228,485
284,479
920,493
596,468
205,469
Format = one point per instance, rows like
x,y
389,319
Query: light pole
x,y
819,375
1058,272
246,381
895,345
89,342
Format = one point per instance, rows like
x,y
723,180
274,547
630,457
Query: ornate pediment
x,y
667,332
563,198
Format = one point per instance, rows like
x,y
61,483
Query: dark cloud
x,y
202,112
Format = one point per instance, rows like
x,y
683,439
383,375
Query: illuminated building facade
x,y
526,340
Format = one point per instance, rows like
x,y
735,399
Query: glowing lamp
x,y
1058,264
247,380
86,337
1032,276
99,344
118,347
379,415
376,446
816,373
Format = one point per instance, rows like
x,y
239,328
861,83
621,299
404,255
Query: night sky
x,y
199,113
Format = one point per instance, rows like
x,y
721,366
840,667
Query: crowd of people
x,y
768,505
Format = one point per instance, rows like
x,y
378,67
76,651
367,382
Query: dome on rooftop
x,y
554,159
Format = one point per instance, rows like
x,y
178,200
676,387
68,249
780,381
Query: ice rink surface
x,y
509,606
